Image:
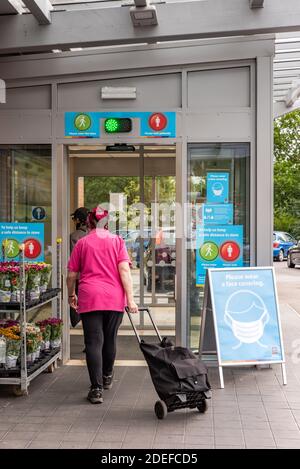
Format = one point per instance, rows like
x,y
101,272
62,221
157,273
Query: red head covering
x,y
96,215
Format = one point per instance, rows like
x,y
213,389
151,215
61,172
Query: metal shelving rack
x,y
49,361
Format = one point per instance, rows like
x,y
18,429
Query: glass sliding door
x,y
139,189
219,218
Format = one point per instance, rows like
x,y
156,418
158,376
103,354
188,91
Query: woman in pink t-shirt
x,y
105,283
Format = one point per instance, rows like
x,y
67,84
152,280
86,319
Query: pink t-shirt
x,y
96,257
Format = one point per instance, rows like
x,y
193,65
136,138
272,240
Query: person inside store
x,y
79,217
102,263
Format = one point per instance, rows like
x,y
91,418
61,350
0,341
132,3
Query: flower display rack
x,y
24,372
44,362
50,294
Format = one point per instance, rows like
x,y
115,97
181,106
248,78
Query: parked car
x,y
293,256
282,242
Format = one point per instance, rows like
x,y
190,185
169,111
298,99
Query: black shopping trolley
x,y
179,377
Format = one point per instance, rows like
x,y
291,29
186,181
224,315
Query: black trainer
x,y
108,381
95,396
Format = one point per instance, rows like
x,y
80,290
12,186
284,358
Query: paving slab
x,y
253,411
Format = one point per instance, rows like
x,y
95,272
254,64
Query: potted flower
x,y
5,286
31,342
39,340
46,272
15,283
56,332
45,329
34,281
13,345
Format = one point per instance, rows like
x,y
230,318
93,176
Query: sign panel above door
x,y
133,124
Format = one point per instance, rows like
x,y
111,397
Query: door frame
x,y
61,228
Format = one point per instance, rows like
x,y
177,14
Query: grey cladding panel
x,y
29,97
28,126
219,88
161,91
213,126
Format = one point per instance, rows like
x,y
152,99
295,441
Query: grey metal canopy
x,y
30,26
287,71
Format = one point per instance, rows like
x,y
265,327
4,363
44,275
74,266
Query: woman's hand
x,y
133,307
73,302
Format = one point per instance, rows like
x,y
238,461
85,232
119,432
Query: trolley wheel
x,y
18,392
51,368
202,406
160,410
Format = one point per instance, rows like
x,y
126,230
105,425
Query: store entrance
x,y
138,185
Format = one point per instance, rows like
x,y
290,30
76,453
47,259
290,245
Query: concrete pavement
x,y
253,411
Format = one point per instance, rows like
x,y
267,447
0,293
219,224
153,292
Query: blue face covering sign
x,y
246,316
217,188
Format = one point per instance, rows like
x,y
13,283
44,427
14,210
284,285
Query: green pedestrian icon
x,y
82,122
209,251
11,248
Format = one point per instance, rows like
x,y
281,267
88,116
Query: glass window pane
x,y
215,206
25,183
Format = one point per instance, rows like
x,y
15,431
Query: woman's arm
x,y
71,283
126,279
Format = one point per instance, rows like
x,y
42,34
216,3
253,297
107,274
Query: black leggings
x,y
100,333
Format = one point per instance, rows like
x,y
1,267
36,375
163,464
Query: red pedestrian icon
x,y
158,121
32,248
230,251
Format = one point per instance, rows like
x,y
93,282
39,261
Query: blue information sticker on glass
x,y
246,315
31,235
217,188
217,214
220,246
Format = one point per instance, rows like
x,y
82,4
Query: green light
x,y
111,125
114,125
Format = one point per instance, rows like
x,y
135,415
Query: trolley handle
x,y
135,329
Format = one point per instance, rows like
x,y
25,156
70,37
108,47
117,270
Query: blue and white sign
x,y
169,129
217,214
217,188
82,124
246,316
218,246
31,235
38,213
150,124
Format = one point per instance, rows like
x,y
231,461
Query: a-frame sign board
x,y
240,322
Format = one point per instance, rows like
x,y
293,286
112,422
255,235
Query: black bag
x,y
74,316
174,370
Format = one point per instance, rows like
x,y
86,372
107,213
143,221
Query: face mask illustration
x,y
247,324
217,189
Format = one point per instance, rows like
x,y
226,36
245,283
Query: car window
x,y
289,238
